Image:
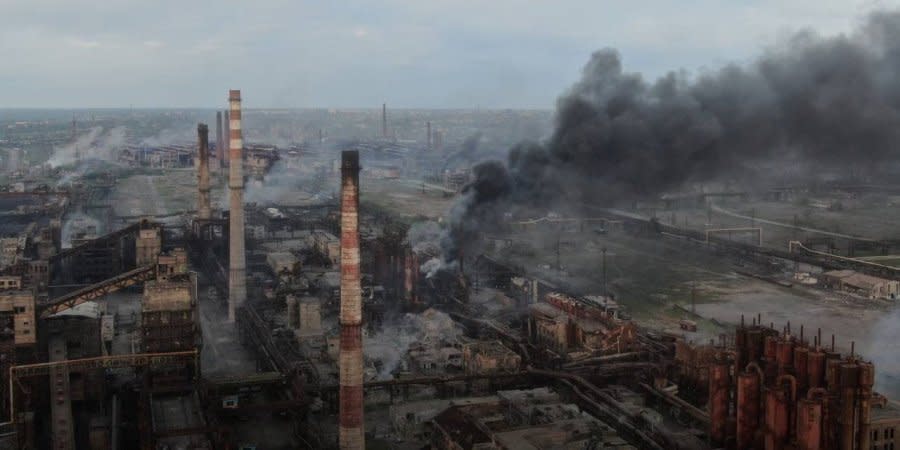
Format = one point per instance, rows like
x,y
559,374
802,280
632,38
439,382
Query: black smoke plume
x,y
809,105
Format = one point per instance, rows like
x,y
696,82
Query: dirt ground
x,y
153,195
406,198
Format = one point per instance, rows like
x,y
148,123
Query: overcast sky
x,y
408,53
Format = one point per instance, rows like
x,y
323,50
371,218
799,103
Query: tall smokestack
x,y
237,287
203,210
428,135
351,433
226,135
384,120
220,142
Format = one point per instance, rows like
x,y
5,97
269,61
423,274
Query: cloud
x,y
438,53
82,43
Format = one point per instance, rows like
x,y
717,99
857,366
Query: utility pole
x,y
603,264
693,299
558,264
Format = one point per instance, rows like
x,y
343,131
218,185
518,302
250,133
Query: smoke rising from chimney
x,y
811,103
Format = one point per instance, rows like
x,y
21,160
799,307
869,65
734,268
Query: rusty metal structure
x,y
237,262
351,425
777,390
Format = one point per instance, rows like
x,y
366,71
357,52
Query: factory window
x,y
19,309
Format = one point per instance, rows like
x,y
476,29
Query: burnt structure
x,y
351,431
203,205
237,263
777,390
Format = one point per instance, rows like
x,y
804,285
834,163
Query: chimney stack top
x,y
350,159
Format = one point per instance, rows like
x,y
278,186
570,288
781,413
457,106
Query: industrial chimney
x,y
384,127
220,143
226,135
237,280
203,209
351,432
428,135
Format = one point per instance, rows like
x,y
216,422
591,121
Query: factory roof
x,y
547,310
555,435
887,411
459,422
856,279
87,309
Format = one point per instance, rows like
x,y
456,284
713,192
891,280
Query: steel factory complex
x,y
259,289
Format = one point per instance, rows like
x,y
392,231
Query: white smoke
x,y
425,237
75,222
280,186
97,144
885,354
431,328
431,267
169,136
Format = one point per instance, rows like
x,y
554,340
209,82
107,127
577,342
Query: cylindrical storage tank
x,y
809,424
801,368
718,401
754,345
776,418
741,347
866,381
770,348
785,355
849,381
832,373
748,385
815,369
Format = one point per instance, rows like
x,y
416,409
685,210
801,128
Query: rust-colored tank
x,y
785,355
832,373
754,345
801,367
770,348
849,381
815,369
809,424
719,379
866,381
741,346
777,420
748,390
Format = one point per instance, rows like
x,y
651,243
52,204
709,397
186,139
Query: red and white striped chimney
x,y
351,430
237,263
203,208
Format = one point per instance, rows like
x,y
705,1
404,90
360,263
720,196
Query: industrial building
x,y
241,320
